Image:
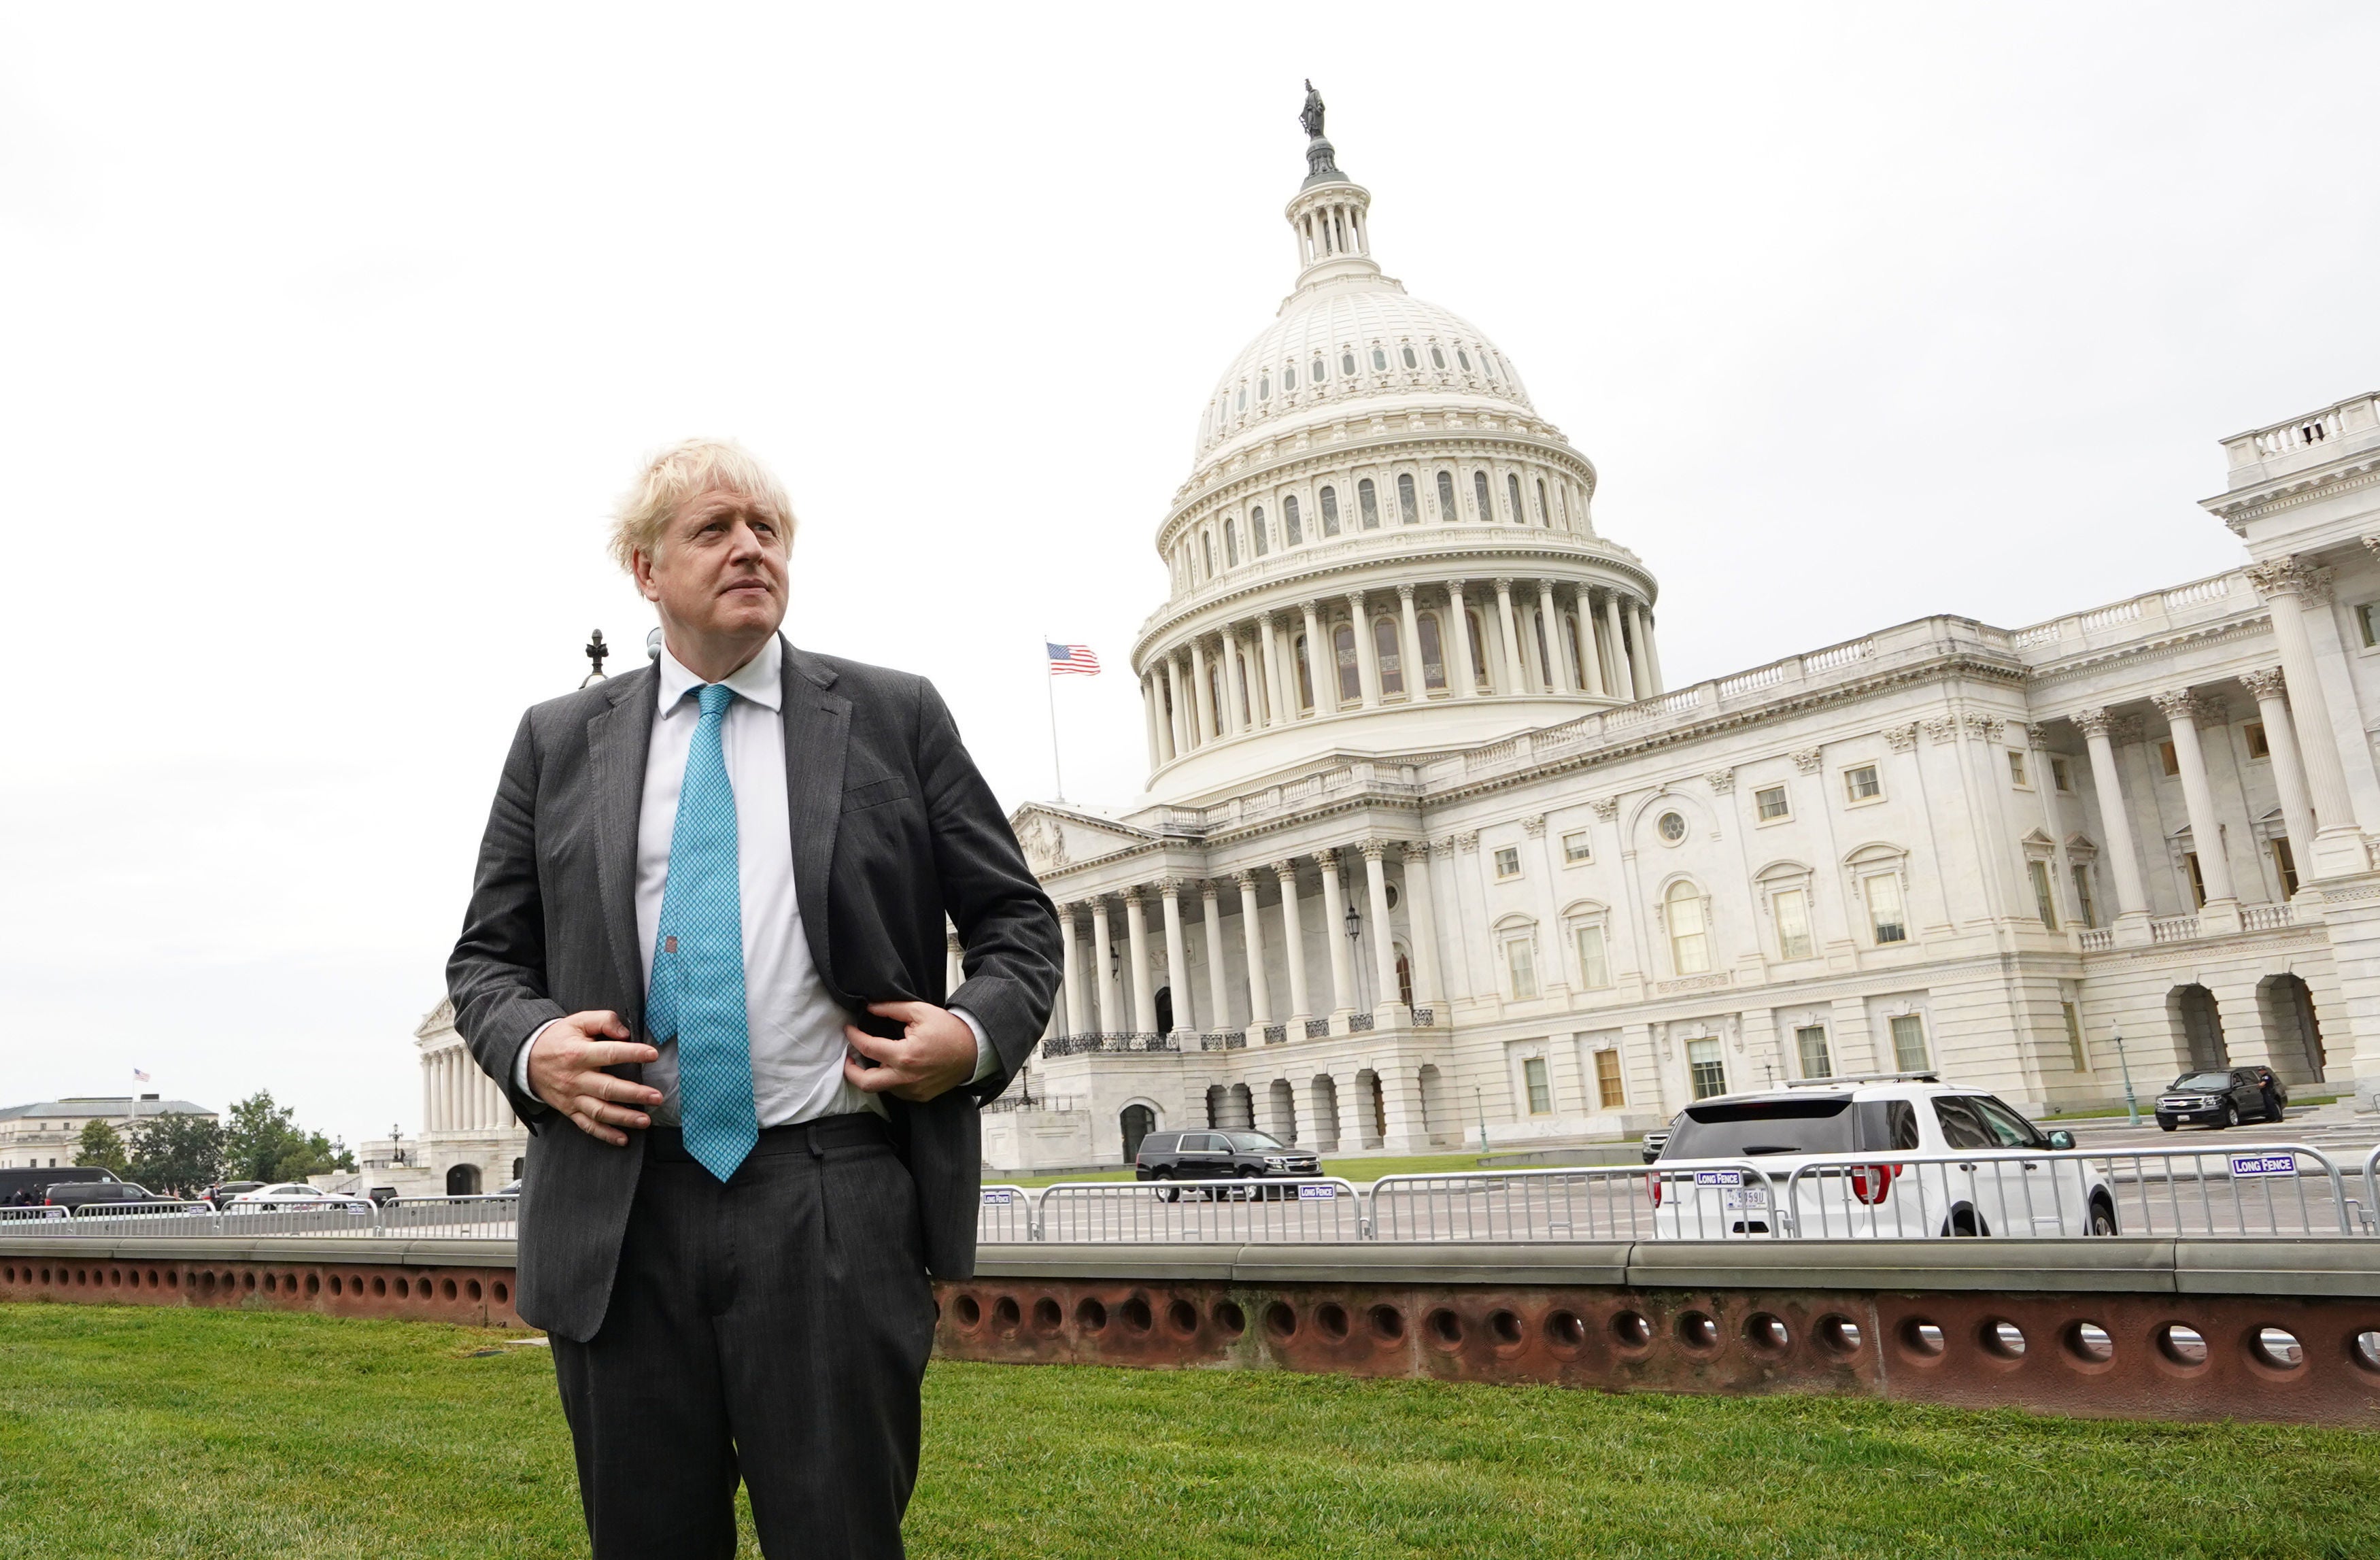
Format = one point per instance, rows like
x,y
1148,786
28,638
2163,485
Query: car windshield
x,y
2203,1080
1254,1142
1748,1129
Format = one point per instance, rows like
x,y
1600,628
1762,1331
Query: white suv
x,y
1971,1165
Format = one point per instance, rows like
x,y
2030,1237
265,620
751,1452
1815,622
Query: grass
x,y
135,1431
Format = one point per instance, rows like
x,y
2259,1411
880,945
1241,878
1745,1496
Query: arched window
x,y
1289,377
1408,500
1330,511
1292,531
1379,361
1264,388
1478,651
1368,500
1384,645
1545,511
1464,358
1243,397
1343,645
1488,359
1305,674
1446,496
1689,933
1347,364
1479,491
1562,504
1437,359
1433,651
1512,490
1411,362
1321,371
1257,530
1231,543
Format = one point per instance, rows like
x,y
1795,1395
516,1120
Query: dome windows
x,y
1479,494
1292,531
1347,364
1408,501
1264,388
1343,649
1488,359
1446,510
1411,361
1545,511
1257,530
1321,370
1231,543
1437,359
1379,361
1289,377
1368,500
1330,511
1464,358
1243,397
1512,490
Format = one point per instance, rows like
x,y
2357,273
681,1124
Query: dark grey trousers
x,y
774,1328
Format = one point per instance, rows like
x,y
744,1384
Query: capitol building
x,y
1432,855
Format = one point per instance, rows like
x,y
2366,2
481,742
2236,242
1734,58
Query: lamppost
x,y
1355,949
2132,1105
1480,1105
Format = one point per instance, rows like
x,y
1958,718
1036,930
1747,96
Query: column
x,y
429,1094
1294,937
1409,647
1648,682
1149,711
1074,1023
2098,727
1343,958
1421,914
2184,708
1587,649
1185,702
1462,678
1652,644
1384,941
1202,691
1177,962
2289,775
453,1092
1513,680
1101,958
1325,690
1367,656
1252,926
1624,686
1167,709
1556,657
1279,702
1218,1000
2294,589
1144,994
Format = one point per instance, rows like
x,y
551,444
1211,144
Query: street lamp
x,y
2131,1106
1355,951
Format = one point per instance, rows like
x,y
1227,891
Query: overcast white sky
x,y
327,338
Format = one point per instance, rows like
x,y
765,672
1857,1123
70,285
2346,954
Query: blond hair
x,y
685,472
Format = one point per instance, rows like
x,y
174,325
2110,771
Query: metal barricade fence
x,y
1003,1215
2371,1209
1310,1210
141,1218
1693,1201
2252,1189
489,1216
244,1219
17,1217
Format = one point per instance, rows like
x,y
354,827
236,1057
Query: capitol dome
x,y
1382,550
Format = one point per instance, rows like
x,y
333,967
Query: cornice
x,y
1210,481
2160,648
2293,493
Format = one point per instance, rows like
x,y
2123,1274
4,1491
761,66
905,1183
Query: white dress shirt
x,y
796,1026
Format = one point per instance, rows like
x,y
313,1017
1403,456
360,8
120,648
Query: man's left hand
x,y
935,1053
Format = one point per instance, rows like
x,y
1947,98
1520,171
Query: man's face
x,y
720,571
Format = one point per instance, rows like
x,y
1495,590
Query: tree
x,y
263,1142
177,1152
102,1144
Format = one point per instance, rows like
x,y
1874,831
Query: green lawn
x,y
190,1433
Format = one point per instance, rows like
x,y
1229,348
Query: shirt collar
x,y
760,680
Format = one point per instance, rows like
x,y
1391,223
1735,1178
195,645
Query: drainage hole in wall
x,y
2279,1347
1136,1314
970,1310
1697,1330
1631,1330
1279,1320
2184,1345
2005,1340
1388,1323
1840,1334
1090,1316
403,1287
505,1295
1445,1327
2089,1342
1047,1315
173,1278
153,1278
446,1289
1507,1328
473,1286
1766,1332
335,1287
1330,1320
1183,1317
380,1286
1004,1312
1564,1329
1921,1337
1229,1318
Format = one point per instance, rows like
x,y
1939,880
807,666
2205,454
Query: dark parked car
x,y
2219,1098
28,1184
71,1195
1219,1156
219,1195
1658,1140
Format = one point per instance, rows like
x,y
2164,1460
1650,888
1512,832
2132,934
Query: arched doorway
x,y
1138,1122
1404,978
519,1166
1283,1099
1165,1010
1214,1105
2198,1024
1239,1109
463,1181
2298,1054
1322,1094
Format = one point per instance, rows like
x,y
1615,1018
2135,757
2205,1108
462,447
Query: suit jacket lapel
x,y
617,742
818,728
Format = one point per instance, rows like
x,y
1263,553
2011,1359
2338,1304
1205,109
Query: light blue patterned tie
x,y
698,986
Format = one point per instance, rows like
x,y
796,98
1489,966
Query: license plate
x,y
1754,1198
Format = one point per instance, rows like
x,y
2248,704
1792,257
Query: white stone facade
x,y
1428,852
470,1142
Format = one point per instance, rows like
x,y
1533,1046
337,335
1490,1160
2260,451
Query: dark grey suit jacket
x,y
892,829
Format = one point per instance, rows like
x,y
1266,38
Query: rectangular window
x,y
2364,620
2074,1038
1521,960
1689,935
1792,907
1593,968
1909,1043
1883,912
2042,901
2197,880
1541,1088
2168,759
1863,783
1811,1041
1608,1091
2258,747
2286,864
1508,861
1770,800
2016,769
1709,1072
2083,896
1577,847
2061,773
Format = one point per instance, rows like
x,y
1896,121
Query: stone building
x,y
46,1132
1430,853
469,1143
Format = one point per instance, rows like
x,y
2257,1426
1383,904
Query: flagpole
x,y
1049,686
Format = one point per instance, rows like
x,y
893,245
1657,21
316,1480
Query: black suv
x,y
2221,1098
1218,1155
26,1185
71,1195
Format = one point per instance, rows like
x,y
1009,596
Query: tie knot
x,y
715,698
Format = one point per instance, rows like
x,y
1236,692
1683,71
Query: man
x,y
704,956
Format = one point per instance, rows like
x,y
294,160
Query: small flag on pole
x,y
1076,659
139,1074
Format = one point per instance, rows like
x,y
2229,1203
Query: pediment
x,y
1055,838
439,1021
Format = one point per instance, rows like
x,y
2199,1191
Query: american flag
x,y
1072,658
139,1074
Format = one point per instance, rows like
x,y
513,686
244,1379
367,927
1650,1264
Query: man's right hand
x,y
566,1070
